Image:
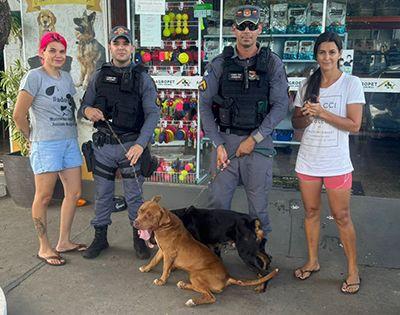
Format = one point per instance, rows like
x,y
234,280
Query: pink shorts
x,y
331,182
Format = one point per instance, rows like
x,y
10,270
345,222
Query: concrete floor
x,y
112,284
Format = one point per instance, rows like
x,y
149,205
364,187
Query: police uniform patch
x,y
203,85
253,76
235,76
110,79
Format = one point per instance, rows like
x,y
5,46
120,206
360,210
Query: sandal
x,y
302,272
77,248
47,260
349,285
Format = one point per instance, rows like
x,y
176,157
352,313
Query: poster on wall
x,y
150,7
150,22
346,62
83,23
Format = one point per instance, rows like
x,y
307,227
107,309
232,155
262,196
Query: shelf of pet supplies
x,y
268,35
298,61
175,71
286,142
177,82
179,43
373,19
175,143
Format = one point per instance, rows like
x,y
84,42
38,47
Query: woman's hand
x,y
312,109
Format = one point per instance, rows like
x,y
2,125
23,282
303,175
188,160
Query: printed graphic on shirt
x,y
320,133
63,114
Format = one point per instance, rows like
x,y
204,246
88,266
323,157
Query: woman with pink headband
x,y
46,93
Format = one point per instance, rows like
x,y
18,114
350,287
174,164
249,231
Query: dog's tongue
x,y
144,234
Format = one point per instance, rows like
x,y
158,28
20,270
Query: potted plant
x,y
17,169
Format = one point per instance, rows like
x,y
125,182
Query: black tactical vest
x,y
243,92
117,96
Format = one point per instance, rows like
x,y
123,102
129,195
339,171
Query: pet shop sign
x,y
35,5
181,82
383,85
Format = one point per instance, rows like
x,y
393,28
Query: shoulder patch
x,y
203,85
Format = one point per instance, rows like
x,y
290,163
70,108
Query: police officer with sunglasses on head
x,y
243,97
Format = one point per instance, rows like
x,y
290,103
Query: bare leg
x,y
339,201
311,195
153,262
44,185
71,180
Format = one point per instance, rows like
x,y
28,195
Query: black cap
x,y
120,31
249,13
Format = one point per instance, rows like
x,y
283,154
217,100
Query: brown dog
x,y
178,249
46,21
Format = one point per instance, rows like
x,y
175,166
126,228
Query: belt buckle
x,y
228,131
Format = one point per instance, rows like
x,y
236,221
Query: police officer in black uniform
x,y
121,101
243,97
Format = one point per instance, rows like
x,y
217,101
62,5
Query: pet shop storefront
x,y
175,39
370,31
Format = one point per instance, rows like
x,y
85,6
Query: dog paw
x,y
190,302
158,282
181,285
144,269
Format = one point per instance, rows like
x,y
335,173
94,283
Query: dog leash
x,y
270,153
126,151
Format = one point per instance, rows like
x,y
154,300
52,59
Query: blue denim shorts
x,y
55,155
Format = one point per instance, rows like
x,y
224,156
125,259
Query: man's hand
x,y
222,158
93,114
134,153
246,147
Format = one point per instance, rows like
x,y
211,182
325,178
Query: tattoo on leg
x,y
39,226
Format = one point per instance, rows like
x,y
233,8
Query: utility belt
x,y
235,131
148,163
101,138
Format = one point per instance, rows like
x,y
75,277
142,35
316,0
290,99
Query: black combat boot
x,y
140,247
99,243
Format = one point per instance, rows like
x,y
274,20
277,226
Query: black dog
x,y
215,227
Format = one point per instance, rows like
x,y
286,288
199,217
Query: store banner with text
x,y
378,85
35,5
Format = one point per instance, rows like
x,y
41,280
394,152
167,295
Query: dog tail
x,y
245,283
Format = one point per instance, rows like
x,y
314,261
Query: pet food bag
x,y
306,50
291,49
314,18
297,14
336,18
279,18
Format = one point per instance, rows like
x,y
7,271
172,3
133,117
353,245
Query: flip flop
x,y
77,248
303,272
56,257
348,285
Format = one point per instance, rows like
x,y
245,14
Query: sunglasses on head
x,y
250,25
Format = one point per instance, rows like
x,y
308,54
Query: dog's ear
x,y
92,16
165,217
39,16
156,198
53,17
